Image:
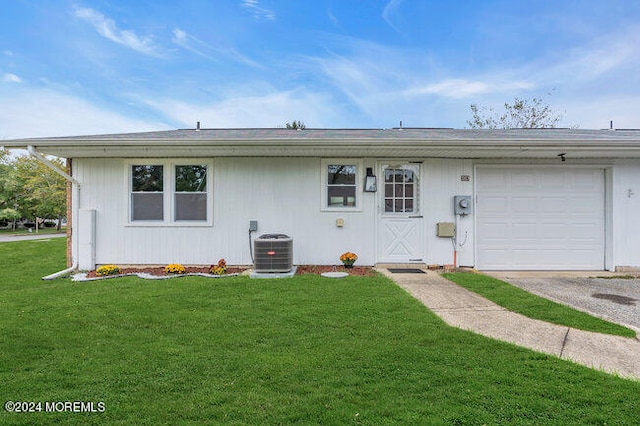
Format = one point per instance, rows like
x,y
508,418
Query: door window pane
x,y
400,190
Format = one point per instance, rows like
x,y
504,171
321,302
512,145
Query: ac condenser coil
x,y
273,253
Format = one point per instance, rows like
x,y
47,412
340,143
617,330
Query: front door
x,y
400,227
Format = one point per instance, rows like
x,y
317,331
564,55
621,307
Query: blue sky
x,y
108,66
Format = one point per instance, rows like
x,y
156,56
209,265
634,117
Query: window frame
x,y
359,182
169,192
160,195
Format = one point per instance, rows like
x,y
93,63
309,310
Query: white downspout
x,y
75,197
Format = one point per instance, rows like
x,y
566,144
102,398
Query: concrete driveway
x,y
599,293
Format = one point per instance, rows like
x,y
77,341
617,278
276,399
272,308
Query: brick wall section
x,y
69,214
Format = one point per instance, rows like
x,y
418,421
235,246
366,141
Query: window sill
x,y
149,224
341,209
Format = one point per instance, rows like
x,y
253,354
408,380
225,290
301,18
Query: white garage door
x,y
548,218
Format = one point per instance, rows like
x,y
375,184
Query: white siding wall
x,y
283,195
626,210
442,181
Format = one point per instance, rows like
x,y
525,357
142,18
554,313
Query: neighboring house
x,y
554,199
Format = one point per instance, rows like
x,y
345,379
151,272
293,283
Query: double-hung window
x,y
190,196
147,193
341,184
165,193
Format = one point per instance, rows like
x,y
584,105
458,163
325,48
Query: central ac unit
x,y
273,253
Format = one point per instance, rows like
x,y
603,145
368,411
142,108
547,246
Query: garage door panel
x,y
523,181
584,204
553,204
585,232
494,258
522,204
552,180
495,179
585,180
540,218
496,204
524,231
552,231
526,258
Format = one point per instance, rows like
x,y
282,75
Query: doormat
x,y
405,271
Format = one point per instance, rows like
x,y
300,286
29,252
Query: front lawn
x,y
518,300
305,350
25,231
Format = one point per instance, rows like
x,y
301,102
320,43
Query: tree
x,y
8,203
296,125
31,190
532,113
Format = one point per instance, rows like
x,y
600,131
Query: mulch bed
x,y
365,271
159,271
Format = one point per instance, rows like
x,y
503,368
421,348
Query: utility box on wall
x,y
446,229
462,204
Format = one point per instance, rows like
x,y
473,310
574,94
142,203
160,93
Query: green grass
x,y
517,300
306,350
25,231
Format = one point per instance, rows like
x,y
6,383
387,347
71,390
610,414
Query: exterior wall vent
x,y
273,253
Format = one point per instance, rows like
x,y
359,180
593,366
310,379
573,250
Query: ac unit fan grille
x,y
273,253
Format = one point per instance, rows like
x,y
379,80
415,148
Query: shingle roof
x,y
405,142
443,134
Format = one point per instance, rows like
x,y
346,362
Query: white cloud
x,y
389,9
11,78
269,110
614,56
43,113
184,40
195,45
257,11
462,88
107,28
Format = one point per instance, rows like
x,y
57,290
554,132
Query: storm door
x,y
400,222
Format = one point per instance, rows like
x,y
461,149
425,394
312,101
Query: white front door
x,y
400,223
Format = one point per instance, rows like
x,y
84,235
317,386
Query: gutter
x,y
76,189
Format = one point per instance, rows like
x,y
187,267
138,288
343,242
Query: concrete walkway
x,y
467,310
6,238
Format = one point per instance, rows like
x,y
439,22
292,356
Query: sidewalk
x,y
6,238
461,308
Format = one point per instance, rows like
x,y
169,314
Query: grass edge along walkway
x,y
520,301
